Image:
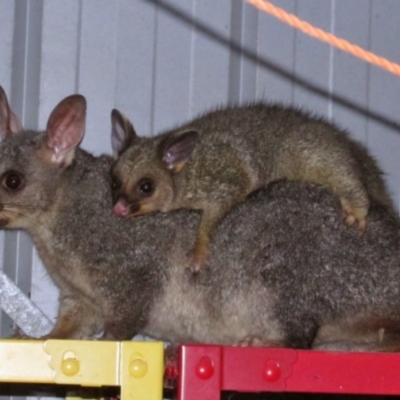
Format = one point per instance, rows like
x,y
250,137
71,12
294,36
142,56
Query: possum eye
x,y
146,186
12,180
115,183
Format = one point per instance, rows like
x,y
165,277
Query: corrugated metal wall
x,y
162,62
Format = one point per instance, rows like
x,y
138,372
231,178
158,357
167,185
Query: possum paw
x,y
198,259
354,215
351,219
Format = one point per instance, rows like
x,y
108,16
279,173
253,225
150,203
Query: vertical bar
x,y
141,370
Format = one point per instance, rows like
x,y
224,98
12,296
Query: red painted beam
x,y
207,370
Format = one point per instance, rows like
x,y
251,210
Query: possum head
x,y
31,162
143,174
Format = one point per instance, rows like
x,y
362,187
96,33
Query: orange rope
x,y
333,40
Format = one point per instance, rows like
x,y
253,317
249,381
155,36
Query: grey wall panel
x,y
135,63
276,50
6,35
313,60
172,66
384,91
59,54
209,80
243,61
97,68
25,74
350,74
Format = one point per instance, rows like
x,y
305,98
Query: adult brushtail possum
x,y
283,268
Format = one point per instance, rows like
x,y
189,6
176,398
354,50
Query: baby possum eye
x,y
12,180
115,183
146,186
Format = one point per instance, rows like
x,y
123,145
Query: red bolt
x,y
205,368
272,371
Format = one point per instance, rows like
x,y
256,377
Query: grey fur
x,y
283,268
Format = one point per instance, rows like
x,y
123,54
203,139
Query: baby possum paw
x,y
198,258
354,215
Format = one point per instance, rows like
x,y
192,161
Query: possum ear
x,y
9,122
177,151
122,134
65,129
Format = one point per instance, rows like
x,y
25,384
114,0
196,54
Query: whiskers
x,y
13,212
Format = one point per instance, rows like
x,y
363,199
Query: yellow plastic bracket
x,y
84,362
142,370
24,361
137,367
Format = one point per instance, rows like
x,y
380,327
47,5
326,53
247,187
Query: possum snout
x,y
124,208
121,207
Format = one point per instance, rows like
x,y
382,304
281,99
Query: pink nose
x,y
121,208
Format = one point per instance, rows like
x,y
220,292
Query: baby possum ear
x,y
178,150
65,129
122,134
9,122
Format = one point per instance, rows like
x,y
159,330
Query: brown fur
x,y
215,161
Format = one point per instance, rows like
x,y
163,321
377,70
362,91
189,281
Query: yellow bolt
x,y
70,366
138,368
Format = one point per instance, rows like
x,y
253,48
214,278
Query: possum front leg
x,y
212,215
77,319
120,321
115,330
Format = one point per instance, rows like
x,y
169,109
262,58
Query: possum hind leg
x,y
346,183
351,192
371,334
327,160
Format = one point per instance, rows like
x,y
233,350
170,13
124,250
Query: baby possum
x,y
215,161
